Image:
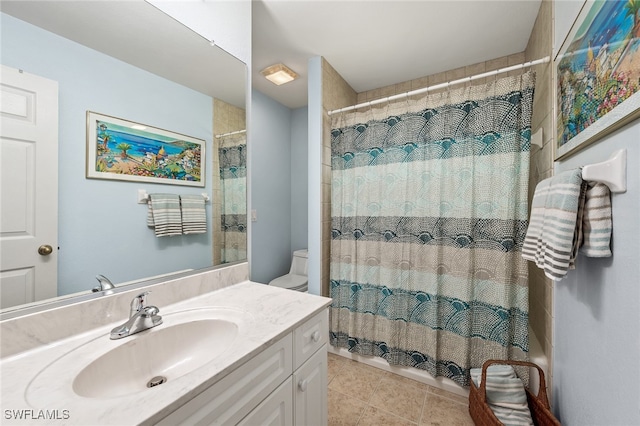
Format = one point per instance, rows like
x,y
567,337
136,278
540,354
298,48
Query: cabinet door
x,y
310,390
275,410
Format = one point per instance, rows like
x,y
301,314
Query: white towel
x,y
164,214
194,216
555,226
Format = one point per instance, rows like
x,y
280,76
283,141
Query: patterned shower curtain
x,y
429,213
232,154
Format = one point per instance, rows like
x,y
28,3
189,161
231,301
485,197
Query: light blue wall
x,y
102,229
299,167
596,359
315,173
270,151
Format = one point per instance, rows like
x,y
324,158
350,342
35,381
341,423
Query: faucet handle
x,y
138,303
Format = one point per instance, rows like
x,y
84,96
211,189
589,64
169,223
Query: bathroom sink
x,y
104,368
155,358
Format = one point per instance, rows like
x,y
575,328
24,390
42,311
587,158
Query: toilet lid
x,y
291,281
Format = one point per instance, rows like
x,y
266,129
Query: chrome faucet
x,y
104,285
141,317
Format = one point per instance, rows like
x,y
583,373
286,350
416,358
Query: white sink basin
x,y
104,368
165,355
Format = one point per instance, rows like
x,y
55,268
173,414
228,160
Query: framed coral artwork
x,y
597,74
119,149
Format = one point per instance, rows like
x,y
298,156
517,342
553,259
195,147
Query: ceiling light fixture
x,y
279,74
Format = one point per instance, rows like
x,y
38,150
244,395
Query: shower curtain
x,y
232,154
429,213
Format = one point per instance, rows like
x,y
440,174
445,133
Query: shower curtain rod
x,y
442,85
230,133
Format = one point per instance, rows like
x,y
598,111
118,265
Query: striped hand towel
x,y
194,216
596,221
164,214
505,394
555,228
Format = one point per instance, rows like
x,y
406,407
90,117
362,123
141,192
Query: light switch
x,y
254,215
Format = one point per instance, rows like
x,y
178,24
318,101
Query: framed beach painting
x,y
119,149
597,73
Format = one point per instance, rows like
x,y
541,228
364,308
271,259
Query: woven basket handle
x,y
542,392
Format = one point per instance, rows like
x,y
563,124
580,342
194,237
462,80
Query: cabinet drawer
x,y
234,396
276,410
309,337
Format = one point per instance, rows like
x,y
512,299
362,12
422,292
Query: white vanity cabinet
x,y
310,393
285,384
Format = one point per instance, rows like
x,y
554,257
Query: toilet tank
x,y
299,263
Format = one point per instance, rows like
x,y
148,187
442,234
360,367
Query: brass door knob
x,y
45,250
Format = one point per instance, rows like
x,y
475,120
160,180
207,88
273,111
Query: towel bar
x,y
143,197
612,172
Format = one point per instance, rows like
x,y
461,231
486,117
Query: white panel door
x,y
28,187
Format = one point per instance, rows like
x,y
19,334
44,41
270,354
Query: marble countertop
x,y
37,384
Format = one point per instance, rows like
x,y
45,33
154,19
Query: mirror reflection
x,y
230,185
131,61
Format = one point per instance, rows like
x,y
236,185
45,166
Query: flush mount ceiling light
x,y
279,74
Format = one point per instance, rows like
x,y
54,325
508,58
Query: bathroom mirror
x,y
129,60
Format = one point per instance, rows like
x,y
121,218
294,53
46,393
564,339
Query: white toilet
x,y
297,278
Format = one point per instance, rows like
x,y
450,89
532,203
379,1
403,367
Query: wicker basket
x,y
482,414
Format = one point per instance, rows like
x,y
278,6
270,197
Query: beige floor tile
x,y
344,410
441,392
440,411
335,364
399,398
376,417
357,380
364,395
407,381
360,366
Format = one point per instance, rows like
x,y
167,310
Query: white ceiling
x,y
140,34
373,43
370,43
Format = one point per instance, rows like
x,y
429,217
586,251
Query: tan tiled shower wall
x,y
336,93
226,118
540,287
445,76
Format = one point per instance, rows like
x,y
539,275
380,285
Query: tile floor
x,y
363,395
